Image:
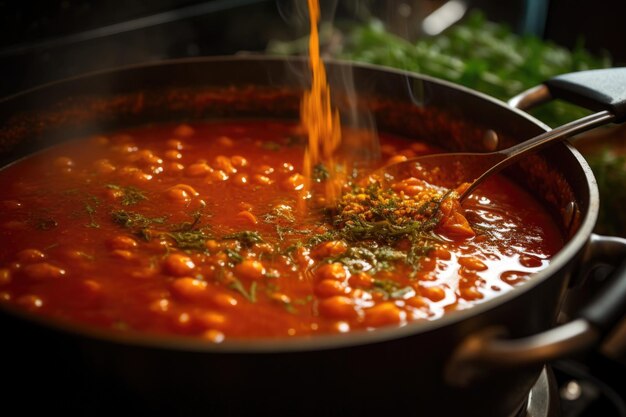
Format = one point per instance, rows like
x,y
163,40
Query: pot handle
x,y
489,349
603,89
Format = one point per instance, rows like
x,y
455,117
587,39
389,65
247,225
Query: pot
x,y
476,362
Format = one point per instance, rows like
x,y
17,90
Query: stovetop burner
x,y
579,389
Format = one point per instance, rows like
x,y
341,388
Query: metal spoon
x,y
597,89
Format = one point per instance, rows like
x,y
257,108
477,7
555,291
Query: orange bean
x,y
223,300
29,255
161,305
240,180
247,217
173,155
334,271
294,182
472,263
175,167
183,321
263,169
211,319
262,179
250,269
30,301
223,162
470,293
175,144
218,175
43,271
280,298
63,162
419,147
286,168
144,272
199,169
408,153
179,265
214,336
190,289
441,253
433,293
184,131
5,276
396,158
122,242
329,287
225,141
338,307
182,193
416,302
145,157
239,161
361,280
123,254
104,166
384,314
329,249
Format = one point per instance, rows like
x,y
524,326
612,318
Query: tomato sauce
x,y
195,230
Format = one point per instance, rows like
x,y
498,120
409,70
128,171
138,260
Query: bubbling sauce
x,y
194,230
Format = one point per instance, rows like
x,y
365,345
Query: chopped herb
x,y
320,173
193,239
280,212
135,221
271,146
44,223
324,237
90,207
295,140
247,238
372,260
233,256
250,294
188,226
129,195
391,289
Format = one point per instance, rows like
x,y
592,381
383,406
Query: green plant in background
x,y
610,172
479,54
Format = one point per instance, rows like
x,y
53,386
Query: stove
x,y
578,389
63,39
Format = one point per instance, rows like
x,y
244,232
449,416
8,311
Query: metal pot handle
x,y
601,89
489,349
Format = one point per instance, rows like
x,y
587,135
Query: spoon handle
x,y
601,90
516,152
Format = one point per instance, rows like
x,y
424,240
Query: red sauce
x,y
194,230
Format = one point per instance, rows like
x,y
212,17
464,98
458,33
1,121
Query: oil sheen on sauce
x,y
194,230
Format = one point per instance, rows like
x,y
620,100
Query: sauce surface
x,y
195,230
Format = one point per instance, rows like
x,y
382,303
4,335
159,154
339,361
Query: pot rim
x,y
327,341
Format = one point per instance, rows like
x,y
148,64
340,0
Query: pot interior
x,y
449,116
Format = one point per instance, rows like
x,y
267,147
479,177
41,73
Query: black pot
x,y
456,365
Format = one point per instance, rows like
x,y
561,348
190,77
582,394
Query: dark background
x,y
46,40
